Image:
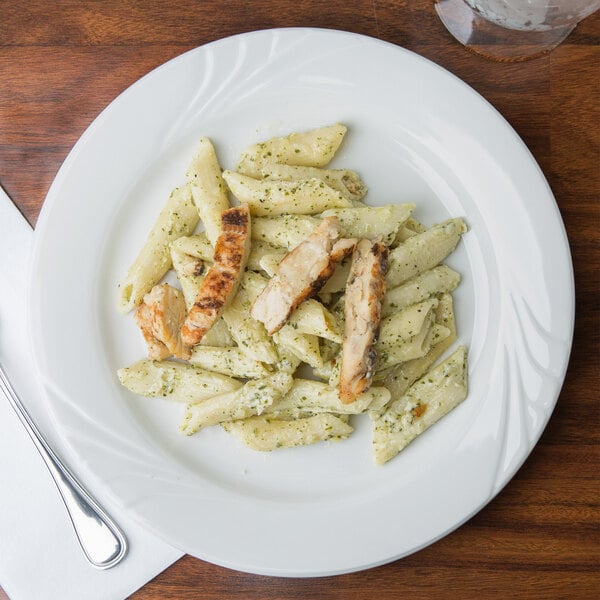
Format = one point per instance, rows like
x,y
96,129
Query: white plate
x,y
416,133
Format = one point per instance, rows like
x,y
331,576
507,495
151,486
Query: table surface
x,y
539,538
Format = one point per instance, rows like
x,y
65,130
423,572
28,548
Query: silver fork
x,y
103,543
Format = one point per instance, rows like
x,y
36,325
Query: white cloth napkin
x,y
39,554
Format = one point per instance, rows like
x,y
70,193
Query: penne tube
x,y
190,273
304,346
228,361
267,434
175,381
178,217
271,198
313,148
208,188
251,399
286,230
401,377
379,222
269,263
337,282
425,402
414,348
423,251
408,229
346,182
312,318
198,246
436,281
407,323
250,335
307,396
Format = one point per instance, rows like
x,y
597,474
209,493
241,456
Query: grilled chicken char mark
x,y
222,279
301,274
160,317
362,310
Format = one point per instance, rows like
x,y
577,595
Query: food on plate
x,y
362,314
178,217
300,275
372,222
160,318
268,198
208,188
425,402
300,307
425,285
222,279
314,148
266,434
249,400
175,381
423,251
346,182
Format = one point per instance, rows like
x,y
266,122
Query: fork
x,y
103,543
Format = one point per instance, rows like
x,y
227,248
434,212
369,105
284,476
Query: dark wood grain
x,y
61,63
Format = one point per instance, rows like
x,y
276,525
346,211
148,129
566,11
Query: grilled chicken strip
x,y
220,284
160,317
362,310
301,274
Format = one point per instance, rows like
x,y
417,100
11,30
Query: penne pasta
x,y
271,198
250,335
267,434
208,188
197,246
178,217
423,251
228,361
251,399
425,403
304,346
307,396
175,381
374,223
312,318
285,230
400,378
405,324
346,182
436,281
313,148
190,273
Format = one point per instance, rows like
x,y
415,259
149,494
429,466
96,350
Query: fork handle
x,y
102,542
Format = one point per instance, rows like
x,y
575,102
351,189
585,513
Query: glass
x,y
512,30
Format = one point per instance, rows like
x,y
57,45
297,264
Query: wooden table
x,y
63,62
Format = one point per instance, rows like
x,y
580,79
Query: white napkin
x,y
39,554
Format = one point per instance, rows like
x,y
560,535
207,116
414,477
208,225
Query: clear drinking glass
x,y
512,30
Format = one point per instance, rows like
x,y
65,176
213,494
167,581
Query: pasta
x,y
346,182
208,189
423,251
381,222
251,399
174,381
266,434
424,403
257,385
313,148
178,217
268,198
286,230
